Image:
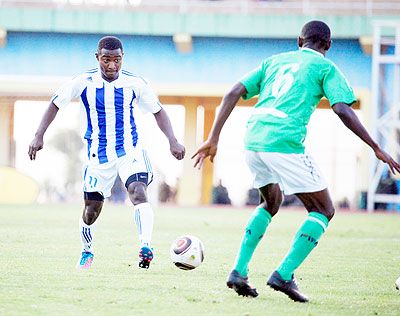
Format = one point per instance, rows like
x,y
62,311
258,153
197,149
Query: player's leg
x,y
299,174
98,180
144,219
93,206
321,210
136,172
91,211
271,199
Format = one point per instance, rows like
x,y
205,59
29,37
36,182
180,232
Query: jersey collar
x,y
100,80
313,51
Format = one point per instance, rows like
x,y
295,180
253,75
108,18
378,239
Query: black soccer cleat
x,y
145,255
290,288
240,284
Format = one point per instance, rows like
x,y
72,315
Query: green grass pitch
x,y
351,272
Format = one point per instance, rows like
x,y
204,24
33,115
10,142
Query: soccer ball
x,y
187,252
398,284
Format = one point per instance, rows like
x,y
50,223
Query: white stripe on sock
x,y
313,219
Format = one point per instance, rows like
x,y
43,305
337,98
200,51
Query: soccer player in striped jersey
x,y
289,85
107,96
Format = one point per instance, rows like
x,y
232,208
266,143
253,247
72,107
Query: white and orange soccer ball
x,y
187,252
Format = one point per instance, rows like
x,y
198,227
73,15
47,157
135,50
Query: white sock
x,y
144,219
86,232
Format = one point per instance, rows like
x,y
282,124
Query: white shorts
x,y
101,177
295,173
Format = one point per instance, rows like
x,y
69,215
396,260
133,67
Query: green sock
x,y
305,240
255,230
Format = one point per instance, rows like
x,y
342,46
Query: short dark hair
x,y
316,32
109,43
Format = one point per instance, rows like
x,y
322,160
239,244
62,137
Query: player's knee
x,y
328,212
274,204
137,193
90,214
93,205
271,211
278,202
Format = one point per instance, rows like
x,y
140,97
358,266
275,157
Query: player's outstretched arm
x,y
163,122
209,147
37,142
350,119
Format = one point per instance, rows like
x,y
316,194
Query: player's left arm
x,y
164,123
350,119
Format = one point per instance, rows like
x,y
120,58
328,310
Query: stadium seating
x,y
345,7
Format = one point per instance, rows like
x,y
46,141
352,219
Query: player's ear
x,y
97,55
300,42
328,45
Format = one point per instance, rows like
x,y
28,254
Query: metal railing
x,y
348,7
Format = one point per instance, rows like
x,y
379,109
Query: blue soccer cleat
x,y
86,261
145,255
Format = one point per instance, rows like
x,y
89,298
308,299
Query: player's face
x,y
110,62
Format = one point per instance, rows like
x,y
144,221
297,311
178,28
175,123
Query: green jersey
x,y
290,86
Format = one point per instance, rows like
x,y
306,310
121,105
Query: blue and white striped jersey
x,y
107,121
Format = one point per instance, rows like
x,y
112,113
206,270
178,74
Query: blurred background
x,y
192,52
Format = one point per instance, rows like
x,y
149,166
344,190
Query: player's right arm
x,y
60,99
37,142
209,147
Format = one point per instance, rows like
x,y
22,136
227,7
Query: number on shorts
x,y
94,180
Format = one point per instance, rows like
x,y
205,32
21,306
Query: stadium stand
x,y
352,7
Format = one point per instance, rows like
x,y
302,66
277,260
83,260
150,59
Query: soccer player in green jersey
x,y
289,86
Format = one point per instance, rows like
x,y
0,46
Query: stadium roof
x,y
224,18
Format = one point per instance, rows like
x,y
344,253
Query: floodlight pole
x,y
384,124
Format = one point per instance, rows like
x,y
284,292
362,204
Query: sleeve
x,y
252,82
147,100
66,93
337,88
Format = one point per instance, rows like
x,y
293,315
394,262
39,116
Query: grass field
x,y
351,272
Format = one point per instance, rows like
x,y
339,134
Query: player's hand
x,y
208,148
36,145
386,158
177,150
